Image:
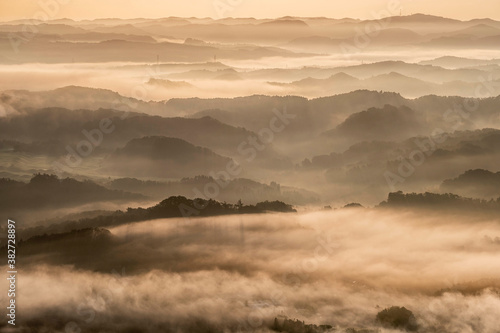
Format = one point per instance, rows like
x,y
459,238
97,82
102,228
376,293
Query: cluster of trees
x,y
431,200
175,206
179,206
397,317
297,326
353,205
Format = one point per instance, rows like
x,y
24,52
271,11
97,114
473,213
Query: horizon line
x,y
246,18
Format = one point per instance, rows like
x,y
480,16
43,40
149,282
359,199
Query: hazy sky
x,y
80,9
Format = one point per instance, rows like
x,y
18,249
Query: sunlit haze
x,y
363,9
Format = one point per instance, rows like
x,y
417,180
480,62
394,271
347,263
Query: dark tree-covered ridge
x,y
172,207
441,201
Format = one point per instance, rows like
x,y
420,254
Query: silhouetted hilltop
x,y
387,123
157,156
76,97
410,80
397,318
429,200
168,84
477,183
353,205
311,116
285,23
182,207
45,190
424,18
458,62
478,30
159,147
174,206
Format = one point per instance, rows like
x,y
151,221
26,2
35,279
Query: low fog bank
x,y
217,274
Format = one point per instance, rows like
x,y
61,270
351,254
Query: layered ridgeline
x,y
60,133
308,118
47,199
195,39
48,196
182,207
249,191
336,146
181,144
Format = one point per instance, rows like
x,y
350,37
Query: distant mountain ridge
x,y
478,183
164,157
63,193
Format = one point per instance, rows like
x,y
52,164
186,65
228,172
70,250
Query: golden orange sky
x,y
88,9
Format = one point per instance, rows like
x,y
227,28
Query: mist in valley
x,y
336,268
288,174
